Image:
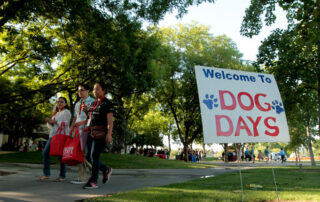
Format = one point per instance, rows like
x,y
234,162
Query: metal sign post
x,y
238,158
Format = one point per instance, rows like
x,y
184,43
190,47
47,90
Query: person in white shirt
x,y
60,115
79,121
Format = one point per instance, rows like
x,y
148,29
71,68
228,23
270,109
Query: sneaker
x,y
90,185
78,181
106,175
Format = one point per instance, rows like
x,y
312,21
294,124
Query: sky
x,y
225,17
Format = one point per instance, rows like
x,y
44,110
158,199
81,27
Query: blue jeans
x,y
94,149
46,162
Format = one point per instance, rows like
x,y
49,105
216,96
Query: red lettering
x,y
218,125
255,125
222,102
247,108
275,128
242,125
256,100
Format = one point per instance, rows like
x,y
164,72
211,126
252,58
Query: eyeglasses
x,y
60,102
81,90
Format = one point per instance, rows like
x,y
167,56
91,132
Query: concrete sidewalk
x,y
19,182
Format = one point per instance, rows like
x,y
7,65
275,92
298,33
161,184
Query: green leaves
x,y
48,47
187,45
292,55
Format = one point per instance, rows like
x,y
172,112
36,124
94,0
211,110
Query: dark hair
x,y
86,87
104,85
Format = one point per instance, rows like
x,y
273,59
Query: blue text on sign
x,y
210,73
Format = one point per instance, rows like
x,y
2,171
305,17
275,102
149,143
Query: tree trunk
x,y
169,142
295,151
238,149
185,151
318,72
225,152
313,163
71,104
204,149
125,136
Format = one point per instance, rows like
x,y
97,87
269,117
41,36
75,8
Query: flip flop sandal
x,y
43,178
59,179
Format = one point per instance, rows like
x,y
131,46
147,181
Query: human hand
x,y
84,107
108,139
79,123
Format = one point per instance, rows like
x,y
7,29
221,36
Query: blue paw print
x,y
210,101
277,106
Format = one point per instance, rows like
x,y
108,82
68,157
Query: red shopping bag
x,y
72,153
58,140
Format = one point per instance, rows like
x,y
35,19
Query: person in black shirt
x,y
100,122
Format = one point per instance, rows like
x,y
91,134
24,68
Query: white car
x,y
277,157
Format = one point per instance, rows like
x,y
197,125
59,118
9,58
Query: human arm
x,y
76,124
48,120
109,127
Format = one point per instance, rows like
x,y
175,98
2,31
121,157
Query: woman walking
x,y
61,115
100,122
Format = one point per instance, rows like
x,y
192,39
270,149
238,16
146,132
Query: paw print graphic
x,y
210,101
277,106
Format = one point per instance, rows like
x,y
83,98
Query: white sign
x,y
239,106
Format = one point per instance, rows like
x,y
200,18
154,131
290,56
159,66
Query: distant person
x,y
79,121
133,151
230,155
283,155
223,156
141,151
266,154
59,115
247,155
100,120
41,145
34,146
234,155
252,154
167,154
25,147
260,155
21,147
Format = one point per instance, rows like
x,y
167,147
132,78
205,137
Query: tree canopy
x,y
48,47
177,91
293,55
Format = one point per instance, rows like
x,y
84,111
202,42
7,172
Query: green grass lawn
x,y
24,157
211,159
113,160
136,162
258,186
